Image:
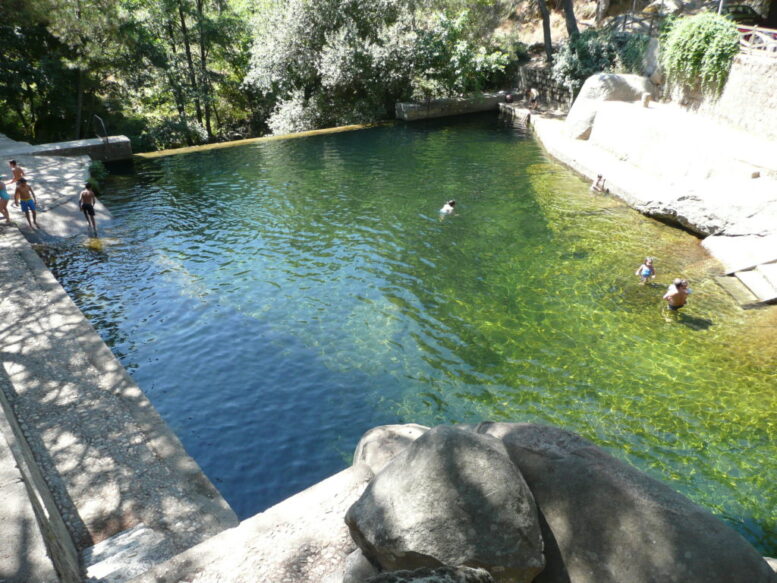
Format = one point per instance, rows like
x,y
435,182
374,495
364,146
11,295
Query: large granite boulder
x,y
358,568
452,497
603,87
439,575
606,522
381,444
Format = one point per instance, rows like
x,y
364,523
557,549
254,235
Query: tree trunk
x,y
79,103
546,30
190,62
204,69
180,102
569,16
602,6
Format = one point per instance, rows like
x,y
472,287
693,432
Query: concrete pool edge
x,y
98,451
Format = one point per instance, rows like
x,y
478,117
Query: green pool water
x,y
277,300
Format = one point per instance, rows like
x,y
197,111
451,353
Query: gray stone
x,y
358,568
381,444
439,575
452,497
772,563
603,87
606,522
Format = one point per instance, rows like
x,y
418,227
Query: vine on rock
x,y
698,51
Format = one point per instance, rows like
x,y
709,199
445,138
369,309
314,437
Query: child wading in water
x,y
86,202
646,270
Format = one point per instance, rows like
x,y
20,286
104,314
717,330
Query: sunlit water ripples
x,y
277,300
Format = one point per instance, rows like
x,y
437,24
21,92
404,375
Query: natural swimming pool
x,y
276,300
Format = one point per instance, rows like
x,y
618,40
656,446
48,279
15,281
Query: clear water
x,y
277,300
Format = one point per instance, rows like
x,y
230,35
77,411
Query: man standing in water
x,y
677,294
26,196
86,201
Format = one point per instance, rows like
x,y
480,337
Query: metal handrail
x,y
104,137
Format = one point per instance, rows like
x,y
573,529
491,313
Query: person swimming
x,y
448,207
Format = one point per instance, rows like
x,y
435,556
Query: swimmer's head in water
x,y
452,202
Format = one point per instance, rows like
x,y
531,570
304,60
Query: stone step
x,y
126,555
758,284
769,271
737,290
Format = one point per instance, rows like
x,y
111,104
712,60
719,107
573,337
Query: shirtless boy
x,y
26,196
86,202
677,294
17,172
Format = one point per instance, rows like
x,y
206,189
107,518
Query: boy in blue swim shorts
x,y
26,196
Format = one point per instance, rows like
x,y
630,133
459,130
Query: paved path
x,y
23,557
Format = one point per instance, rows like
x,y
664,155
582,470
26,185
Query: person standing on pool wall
x,y
4,198
677,294
17,172
86,202
26,196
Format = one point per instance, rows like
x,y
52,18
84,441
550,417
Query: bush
x,y
174,133
598,51
697,52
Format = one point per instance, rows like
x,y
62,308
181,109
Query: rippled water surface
x,y
276,300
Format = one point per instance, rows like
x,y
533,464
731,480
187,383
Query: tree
x,y
546,31
334,62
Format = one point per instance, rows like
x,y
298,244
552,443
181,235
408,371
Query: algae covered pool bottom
x,y
276,300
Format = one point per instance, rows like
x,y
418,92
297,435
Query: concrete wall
x,y
552,94
748,101
448,107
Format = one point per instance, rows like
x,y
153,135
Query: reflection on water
x,y
277,300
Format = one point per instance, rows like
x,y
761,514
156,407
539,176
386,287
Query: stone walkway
x,y
23,556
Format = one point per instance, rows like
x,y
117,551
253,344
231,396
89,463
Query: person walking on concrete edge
x,y
17,172
646,270
4,198
677,294
86,202
26,196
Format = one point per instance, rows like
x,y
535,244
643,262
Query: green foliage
x,y
335,62
598,51
179,72
97,173
697,51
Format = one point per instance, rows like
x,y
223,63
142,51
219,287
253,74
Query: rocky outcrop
x,y
603,87
440,575
452,497
381,444
602,521
606,522
358,568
